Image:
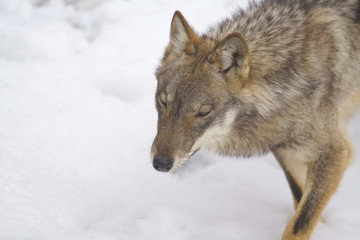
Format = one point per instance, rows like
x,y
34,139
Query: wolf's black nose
x,y
163,164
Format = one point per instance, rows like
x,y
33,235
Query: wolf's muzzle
x,y
163,164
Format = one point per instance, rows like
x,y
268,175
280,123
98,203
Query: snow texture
x,y
77,121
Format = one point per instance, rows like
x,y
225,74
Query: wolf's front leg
x,y
293,162
323,177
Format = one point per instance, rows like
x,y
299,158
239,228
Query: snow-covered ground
x,y
77,119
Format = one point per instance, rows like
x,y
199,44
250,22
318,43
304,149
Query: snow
x,y
77,121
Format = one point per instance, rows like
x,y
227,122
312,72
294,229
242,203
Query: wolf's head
x,y
198,81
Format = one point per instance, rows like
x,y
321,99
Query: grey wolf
x,y
283,77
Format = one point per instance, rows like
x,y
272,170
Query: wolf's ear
x,y
231,56
182,37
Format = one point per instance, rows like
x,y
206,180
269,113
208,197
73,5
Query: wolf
x,y
282,76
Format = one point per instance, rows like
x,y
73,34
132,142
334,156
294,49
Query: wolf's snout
x,y
163,164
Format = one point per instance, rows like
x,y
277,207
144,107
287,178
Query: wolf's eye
x,y
162,99
204,111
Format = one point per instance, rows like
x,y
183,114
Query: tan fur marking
x,y
350,105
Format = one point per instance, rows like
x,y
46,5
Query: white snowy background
x,y
77,119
